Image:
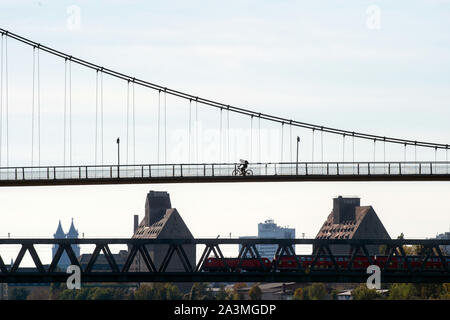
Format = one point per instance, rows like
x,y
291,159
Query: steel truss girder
x,y
249,248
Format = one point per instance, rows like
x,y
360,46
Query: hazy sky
x,y
380,67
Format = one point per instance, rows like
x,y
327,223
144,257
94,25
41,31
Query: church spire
x,y
59,234
73,233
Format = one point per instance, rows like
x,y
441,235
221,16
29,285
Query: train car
x,y
289,263
248,264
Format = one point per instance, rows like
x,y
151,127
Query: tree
x,y
237,292
223,294
255,292
317,291
144,292
299,294
18,294
199,291
402,291
39,294
364,293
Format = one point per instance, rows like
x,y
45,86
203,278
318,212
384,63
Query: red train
x,y
289,263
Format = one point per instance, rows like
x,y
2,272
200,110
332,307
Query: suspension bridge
x,y
73,137
37,155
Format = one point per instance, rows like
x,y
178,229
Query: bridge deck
x,y
224,172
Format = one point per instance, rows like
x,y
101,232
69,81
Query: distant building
x,y
101,263
349,220
161,221
444,236
64,261
270,230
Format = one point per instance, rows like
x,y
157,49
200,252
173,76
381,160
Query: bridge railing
x,y
224,170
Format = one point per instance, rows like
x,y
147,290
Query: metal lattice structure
x,y
414,270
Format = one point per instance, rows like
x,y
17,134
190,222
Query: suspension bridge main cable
x,y
216,104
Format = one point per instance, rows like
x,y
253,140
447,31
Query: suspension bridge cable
x,y
259,139
165,128
217,104
128,119
321,146
343,148
190,121
196,130
134,126
353,149
32,107
70,114
220,136
228,135
1,98
282,133
312,144
65,110
39,107
7,101
374,143
96,115
251,138
159,121
101,113
290,142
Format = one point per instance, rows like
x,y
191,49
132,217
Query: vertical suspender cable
x,y
32,107
353,152
290,142
1,98
321,146
220,137
343,148
196,131
159,122
165,127
96,116
6,101
282,134
39,108
70,112
65,110
101,116
312,145
190,126
128,120
374,146
134,126
321,150
259,139
251,138
228,135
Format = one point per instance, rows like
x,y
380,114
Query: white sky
x,y
310,62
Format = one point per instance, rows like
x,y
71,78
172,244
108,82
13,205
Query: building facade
x,y
161,221
444,236
270,230
350,220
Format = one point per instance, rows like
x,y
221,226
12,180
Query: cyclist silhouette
x,y
241,169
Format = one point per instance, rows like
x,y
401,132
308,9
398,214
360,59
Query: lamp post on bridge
x,y
296,165
118,157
